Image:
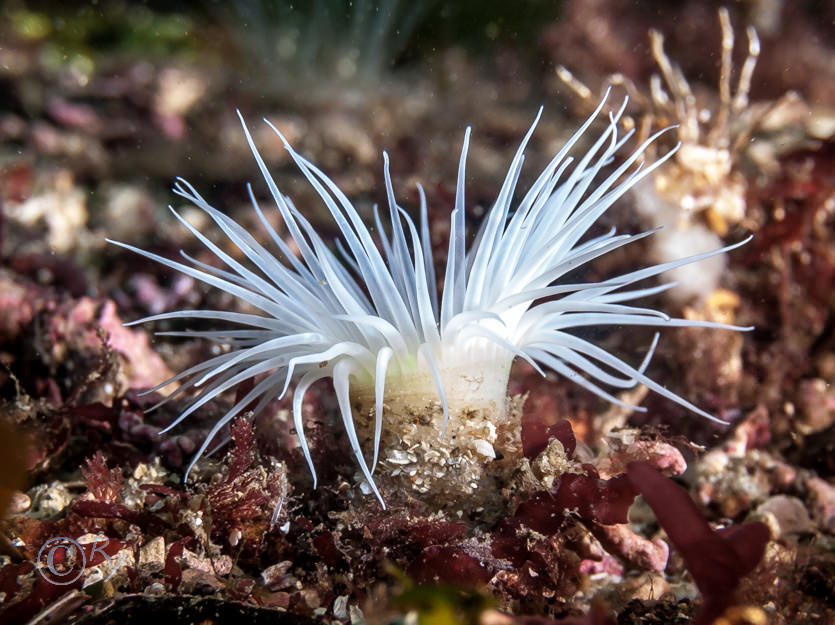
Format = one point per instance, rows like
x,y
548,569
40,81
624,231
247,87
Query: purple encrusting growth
x,y
374,316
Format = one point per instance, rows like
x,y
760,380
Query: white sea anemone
x,y
372,321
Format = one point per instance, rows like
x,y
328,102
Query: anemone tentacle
x,y
374,315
